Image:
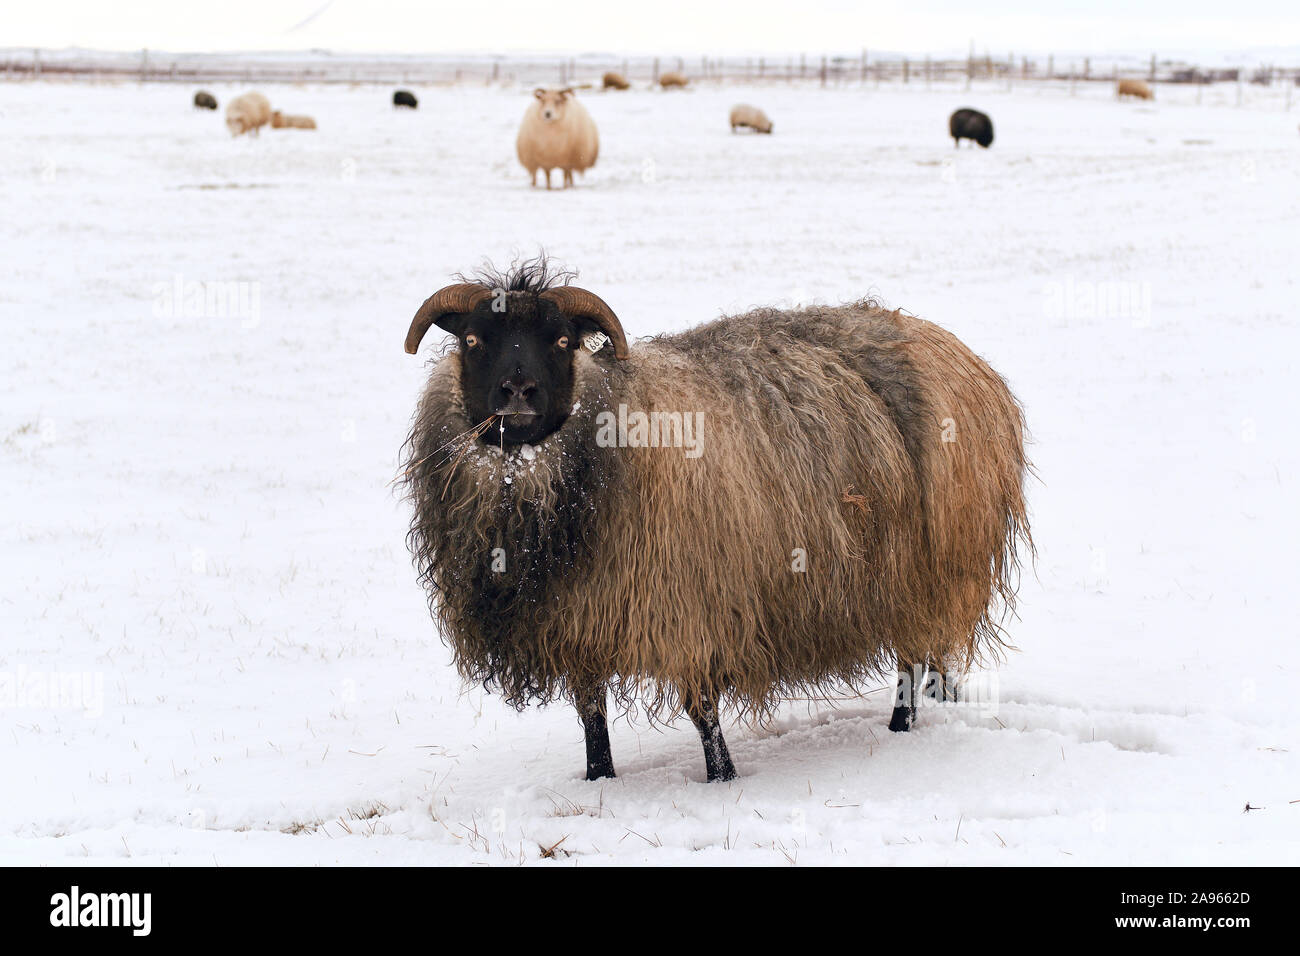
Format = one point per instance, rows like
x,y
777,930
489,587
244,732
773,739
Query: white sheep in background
x,y
287,121
557,132
751,117
247,113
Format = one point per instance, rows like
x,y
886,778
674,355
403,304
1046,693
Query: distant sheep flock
x,y
558,134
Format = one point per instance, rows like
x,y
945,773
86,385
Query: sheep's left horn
x,y
587,305
463,297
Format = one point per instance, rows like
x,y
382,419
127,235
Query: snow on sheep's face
x,y
551,103
518,365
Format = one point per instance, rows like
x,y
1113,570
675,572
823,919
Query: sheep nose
x,y
521,389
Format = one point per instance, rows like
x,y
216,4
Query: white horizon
x,y
680,27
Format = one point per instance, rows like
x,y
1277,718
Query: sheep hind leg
x,y
941,683
717,759
904,715
595,725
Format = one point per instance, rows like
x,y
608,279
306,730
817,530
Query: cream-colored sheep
x,y
247,113
744,115
672,80
287,121
557,133
1134,88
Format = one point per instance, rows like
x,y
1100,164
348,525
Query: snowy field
x,y
201,550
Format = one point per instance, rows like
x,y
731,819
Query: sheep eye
x,y
563,342
471,341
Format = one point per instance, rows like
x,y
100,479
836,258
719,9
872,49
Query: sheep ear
x,y
539,92
567,91
448,309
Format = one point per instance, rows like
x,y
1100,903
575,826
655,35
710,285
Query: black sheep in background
x,y
405,98
970,124
205,100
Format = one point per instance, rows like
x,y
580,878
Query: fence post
x,y
36,64
906,70
1051,68
1152,77
654,72
864,64
823,70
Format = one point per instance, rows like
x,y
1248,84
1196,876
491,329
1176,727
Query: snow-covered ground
x,y
201,547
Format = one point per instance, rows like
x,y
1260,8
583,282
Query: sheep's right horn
x,y
587,305
462,297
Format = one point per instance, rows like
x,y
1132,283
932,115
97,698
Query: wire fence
x,y
322,67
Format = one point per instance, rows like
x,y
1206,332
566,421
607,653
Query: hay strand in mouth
x,y
478,430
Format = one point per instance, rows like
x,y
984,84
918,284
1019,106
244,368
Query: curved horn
x,y
462,297
587,305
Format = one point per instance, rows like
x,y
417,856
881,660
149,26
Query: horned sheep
x,y
557,132
770,504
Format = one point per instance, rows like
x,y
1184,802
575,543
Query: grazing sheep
x,y
247,113
287,121
405,98
1134,88
205,100
970,124
751,117
557,132
765,505
615,81
672,80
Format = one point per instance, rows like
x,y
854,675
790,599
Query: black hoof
x,y
901,720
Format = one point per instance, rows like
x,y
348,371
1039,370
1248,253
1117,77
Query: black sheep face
x,y
518,364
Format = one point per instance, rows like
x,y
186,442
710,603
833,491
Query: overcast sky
x,y
658,26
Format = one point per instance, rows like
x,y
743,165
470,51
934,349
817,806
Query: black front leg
x,y
591,709
904,714
717,759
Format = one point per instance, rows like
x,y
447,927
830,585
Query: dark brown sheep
x,y
855,502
